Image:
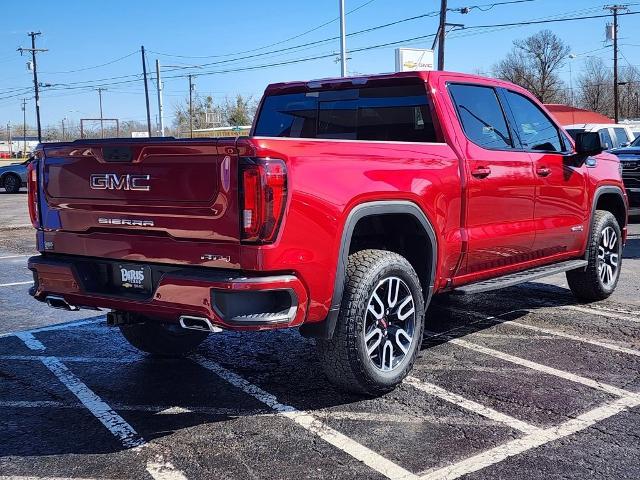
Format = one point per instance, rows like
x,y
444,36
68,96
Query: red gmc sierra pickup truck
x,y
353,201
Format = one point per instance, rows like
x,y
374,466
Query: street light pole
x,y
191,88
100,90
571,57
24,126
191,105
160,106
343,41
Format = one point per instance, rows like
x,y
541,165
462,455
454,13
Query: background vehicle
x,y
630,160
13,177
352,203
612,135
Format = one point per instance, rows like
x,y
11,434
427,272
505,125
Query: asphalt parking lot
x,y
520,383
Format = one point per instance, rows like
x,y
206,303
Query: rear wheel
x,y
380,325
162,339
599,279
12,183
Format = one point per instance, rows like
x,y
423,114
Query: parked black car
x,y
630,159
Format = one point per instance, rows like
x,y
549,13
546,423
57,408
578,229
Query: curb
x,y
9,228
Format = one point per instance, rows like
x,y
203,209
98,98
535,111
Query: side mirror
x,y
588,143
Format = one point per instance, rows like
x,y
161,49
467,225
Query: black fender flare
x,y
326,328
596,196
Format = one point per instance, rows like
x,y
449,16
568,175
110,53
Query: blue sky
x,y
84,34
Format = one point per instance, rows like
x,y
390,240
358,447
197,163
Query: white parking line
x,y
13,284
59,326
550,333
78,359
161,469
600,312
543,368
556,333
309,422
533,440
117,425
157,409
158,467
30,341
7,257
470,405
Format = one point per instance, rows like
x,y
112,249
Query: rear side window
x,y
605,138
481,116
535,129
394,113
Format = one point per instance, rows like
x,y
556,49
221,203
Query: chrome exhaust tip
x,y
202,324
60,303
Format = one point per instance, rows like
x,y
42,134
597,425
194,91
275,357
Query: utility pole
x,y
24,127
100,90
63,132
146,89
343,41
615,9
9,140
34,65
442,33
160,107
191,104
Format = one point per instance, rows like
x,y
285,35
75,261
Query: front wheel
x,y
604,253
162,339
380,324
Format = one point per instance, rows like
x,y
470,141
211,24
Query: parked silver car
x,y
14,176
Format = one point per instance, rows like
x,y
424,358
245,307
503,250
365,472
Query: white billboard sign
x,y
139,134
412,59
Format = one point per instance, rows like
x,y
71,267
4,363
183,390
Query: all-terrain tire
x,y
162,339
344,357
586,283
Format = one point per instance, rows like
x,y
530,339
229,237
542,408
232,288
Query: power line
x,y
329,39
111,62
318,27
488,6
135,77
106,82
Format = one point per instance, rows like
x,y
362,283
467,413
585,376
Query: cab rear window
x,y
392,113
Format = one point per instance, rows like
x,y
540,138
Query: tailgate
x,y
180,188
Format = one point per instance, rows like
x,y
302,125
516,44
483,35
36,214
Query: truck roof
x,y
378,79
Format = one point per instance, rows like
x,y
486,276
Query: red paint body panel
x,y
484,227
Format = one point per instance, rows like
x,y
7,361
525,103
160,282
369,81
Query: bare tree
x,y
629,80
533,63
595,87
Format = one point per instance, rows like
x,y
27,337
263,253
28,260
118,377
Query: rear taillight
x,y
32,188
264,195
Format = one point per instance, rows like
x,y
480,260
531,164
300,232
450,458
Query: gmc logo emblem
x,y
113,181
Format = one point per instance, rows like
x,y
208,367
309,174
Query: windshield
x,y
636,142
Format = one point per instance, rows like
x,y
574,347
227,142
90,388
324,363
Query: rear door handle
x,y
543,171
481,172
